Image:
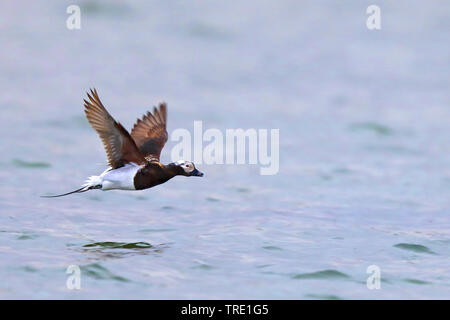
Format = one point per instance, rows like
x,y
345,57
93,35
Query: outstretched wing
x,y
119,146
150,132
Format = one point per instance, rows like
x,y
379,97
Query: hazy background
x,y
364,137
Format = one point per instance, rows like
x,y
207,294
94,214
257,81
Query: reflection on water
x,y
364,174
414,247
99,272
107,250
324,274
30,164
372,127
118,245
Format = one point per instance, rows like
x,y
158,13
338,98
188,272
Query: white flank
x,y
120,178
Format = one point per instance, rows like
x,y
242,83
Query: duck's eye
x,y
188,167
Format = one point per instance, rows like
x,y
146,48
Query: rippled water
x,y
364,137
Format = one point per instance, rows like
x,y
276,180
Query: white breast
x,y
120,178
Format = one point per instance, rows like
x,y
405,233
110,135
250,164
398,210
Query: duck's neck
x,y
153,174
172,170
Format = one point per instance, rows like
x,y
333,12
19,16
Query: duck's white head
x,y
188,168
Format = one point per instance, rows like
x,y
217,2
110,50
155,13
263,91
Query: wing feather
x,y
150,133
119,146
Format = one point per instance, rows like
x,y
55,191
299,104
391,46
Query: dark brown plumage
x,y
119,146
154,173
150,133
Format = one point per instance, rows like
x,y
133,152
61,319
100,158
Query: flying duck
x,y
133,158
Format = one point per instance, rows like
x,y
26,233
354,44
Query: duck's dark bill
x,y
197,173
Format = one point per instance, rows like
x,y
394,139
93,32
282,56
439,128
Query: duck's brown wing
x,y
119,146
150,133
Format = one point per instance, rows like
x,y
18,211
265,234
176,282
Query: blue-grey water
x,y
364,179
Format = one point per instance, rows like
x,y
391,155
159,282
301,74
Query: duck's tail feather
x,y
82,189
92,182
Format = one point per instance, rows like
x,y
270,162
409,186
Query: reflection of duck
x,y
133,158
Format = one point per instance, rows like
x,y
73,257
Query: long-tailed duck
x,y
133,158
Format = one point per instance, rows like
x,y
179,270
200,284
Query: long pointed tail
x,y
92,183
82,189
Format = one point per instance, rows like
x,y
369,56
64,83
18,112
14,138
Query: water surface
x,y
364,137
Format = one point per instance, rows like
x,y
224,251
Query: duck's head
x,y
187,168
